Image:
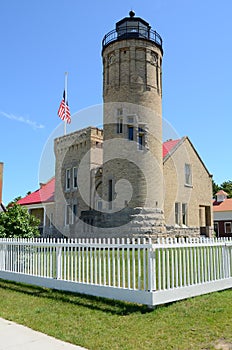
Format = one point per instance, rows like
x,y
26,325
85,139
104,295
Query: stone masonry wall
x,y
198,195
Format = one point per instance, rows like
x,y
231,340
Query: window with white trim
x,y
68,179
74,212
120,125
188,174
184,213
177,213
75,177
227,226
67,215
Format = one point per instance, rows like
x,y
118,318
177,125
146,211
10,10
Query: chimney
x,y
1,180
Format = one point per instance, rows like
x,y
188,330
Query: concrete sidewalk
x,y
17,337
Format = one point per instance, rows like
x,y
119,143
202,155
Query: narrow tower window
x,y
67,215
130,133
157,79
75,177
119,125
141,137
74,213
110,193
68,178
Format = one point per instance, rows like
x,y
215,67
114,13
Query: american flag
x,y
64,111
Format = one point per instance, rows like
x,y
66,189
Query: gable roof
x,y
169,147
44,194
226,205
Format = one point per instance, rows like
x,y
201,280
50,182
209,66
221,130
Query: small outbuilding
x,y
222,212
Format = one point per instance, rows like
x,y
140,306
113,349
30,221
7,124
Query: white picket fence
x,y
131,270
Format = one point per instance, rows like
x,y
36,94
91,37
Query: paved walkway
x,y
17,337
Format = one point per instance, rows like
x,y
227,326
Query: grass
x,y
97,323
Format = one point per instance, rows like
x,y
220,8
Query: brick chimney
x,y
1,180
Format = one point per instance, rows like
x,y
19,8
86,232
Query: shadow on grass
x,y
95,303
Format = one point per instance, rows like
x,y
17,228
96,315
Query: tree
x,y
17,222
215,188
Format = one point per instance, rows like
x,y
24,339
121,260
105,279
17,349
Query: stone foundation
x,y
128,223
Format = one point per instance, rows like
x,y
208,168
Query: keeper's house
x,y
41,204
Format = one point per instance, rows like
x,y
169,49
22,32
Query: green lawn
x,y
94,323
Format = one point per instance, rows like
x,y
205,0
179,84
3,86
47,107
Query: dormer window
x,y
221,196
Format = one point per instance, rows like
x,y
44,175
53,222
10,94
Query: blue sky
x,y
42,39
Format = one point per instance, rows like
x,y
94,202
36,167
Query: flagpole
x,y
66,98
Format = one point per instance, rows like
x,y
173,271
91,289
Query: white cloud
x,y
29,122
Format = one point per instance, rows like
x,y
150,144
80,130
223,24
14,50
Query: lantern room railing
x,y
129,32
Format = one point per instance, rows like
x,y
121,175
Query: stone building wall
x,y
82,150
197,195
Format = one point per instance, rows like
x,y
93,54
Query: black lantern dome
x,y
130,28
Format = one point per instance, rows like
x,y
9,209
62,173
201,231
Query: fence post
x,y
58,262
151,267
3,257
226,261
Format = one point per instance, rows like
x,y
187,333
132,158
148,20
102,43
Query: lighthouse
x,y
132,178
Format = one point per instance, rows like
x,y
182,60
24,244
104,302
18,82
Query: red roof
x,y
226,205
168,146
43,195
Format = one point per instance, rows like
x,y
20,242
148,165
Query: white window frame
x,y
67,215
184,213
68,179
226,223
177,213
74,216
188,174
75,177
119,125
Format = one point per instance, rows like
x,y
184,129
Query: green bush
x,y
17,222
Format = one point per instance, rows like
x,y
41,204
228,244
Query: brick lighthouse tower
x,y
132,185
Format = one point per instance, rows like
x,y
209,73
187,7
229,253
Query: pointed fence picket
x,y
132,270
